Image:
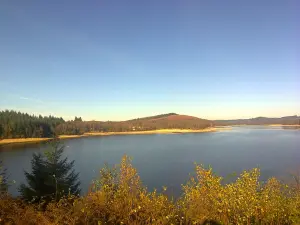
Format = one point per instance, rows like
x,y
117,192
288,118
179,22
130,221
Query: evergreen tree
x,y
3,179
21,125
51,178
79,119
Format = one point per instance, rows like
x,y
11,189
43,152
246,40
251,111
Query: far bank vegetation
x,y
17,125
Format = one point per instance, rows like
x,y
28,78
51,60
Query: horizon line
x,y
53,115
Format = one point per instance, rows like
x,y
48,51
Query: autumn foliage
x,y
119,197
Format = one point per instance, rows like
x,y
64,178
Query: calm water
x,y
168,159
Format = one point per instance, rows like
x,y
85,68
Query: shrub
x,y
119,197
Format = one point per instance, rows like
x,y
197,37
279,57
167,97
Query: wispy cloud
x,y
31,99
24,98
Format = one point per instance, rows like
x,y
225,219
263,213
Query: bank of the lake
x,y
161,131
285,125
294,126
34,140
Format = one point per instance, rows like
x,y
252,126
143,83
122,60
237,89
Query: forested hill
x,y
22,125
164,121
155,117
287,120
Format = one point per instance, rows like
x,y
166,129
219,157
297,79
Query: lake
x,y
168,159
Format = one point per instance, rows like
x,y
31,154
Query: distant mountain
x,y
287,120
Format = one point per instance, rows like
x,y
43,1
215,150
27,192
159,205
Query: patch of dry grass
x,y
22,140
70,136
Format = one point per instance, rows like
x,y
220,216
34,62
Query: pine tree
x,y
3,179
19,125
51,177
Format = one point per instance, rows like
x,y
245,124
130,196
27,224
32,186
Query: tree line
x,y
287,120
164,121
22,125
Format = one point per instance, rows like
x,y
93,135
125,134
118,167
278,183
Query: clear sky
x,y
115,60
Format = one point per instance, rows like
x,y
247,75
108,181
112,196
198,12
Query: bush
x,y
119,197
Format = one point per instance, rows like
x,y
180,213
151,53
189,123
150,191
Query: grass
x,y
70,136
22,140
34,140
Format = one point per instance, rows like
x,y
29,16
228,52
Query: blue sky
x,y
115,60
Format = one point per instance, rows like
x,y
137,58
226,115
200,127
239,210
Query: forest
x,y
22,125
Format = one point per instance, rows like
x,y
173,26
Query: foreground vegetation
x,y
119,197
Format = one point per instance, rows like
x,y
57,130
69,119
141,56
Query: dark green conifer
x,y
51,178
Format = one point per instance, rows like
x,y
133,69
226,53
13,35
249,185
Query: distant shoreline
x,y
267,125
89,134
281,125
160,131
